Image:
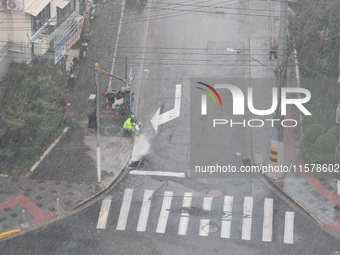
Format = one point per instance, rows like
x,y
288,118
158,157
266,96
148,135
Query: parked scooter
x,y
93,13
73,73
83,50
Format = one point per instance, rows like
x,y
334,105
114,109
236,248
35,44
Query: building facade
x,y
30,28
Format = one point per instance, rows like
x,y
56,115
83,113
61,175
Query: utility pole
x,y
277,147
99,177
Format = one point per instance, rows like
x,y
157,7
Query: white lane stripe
x,y
184,220
144,213
117,39
124,210
104,213
227,217
204,227
204,223
267,232
157,173
163,217
288,236
247,218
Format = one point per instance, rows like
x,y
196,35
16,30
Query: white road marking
x,y
184,220
204,104
207,201
159,119
163,217
157,173
104,213
267,232
144,213
288,236
124,210
204,223
247,218
204,227
117,39
227,217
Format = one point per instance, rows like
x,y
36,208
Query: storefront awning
x,y
36,7
62,3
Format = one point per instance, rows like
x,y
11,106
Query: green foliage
x,y
31,113
313,132
335,131
326,143
314,157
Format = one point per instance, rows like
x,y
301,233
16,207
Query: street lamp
x,y
99,178
242,53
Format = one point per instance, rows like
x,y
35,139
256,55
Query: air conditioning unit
x,y
337,116
15,5
41,45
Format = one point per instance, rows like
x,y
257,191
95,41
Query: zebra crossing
x,y
186,218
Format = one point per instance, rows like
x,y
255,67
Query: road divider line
x,y
184,220
163,217
288,236
267,232
144,213
247,218
104,213
227,217
117,39
157,173
124,210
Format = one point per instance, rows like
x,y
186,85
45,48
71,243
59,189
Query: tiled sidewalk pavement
x,y
39,200
307,190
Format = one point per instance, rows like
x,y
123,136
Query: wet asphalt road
x,y
165,46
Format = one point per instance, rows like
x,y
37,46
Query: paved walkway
x,y
315,195
67,176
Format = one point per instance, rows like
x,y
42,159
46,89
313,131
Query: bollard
x,y
58,206
24,218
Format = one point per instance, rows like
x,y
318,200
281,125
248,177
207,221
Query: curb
x,y
8,233
75,209
45,154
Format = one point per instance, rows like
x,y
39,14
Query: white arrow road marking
x,y
159,119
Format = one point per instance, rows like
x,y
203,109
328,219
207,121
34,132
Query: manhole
x,y
135,164
213,193
210,228
246,162
112,130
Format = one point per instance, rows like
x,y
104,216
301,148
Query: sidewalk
x,y
305,189
67,176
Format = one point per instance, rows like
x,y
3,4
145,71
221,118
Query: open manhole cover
x,y
213,193
112,130
135,164
210,228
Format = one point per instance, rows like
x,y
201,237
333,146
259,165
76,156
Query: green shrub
x,y
326,143
313,132
335,131
313,157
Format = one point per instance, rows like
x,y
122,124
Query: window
x,y
38,21
64,13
